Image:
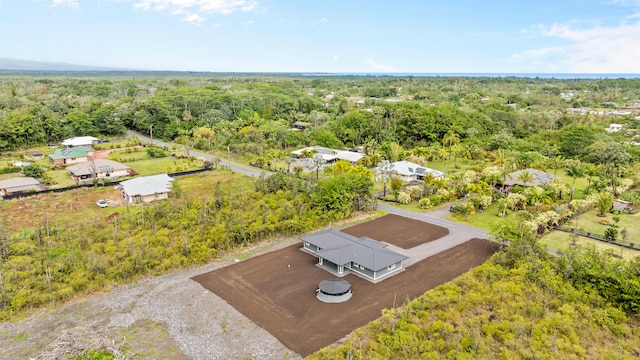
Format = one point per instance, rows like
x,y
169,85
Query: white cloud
x,y
194,11
69,3
380,67
195,19
595,49
335,57
323,20
249,23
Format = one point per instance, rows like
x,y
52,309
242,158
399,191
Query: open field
x,y
277,291
78,205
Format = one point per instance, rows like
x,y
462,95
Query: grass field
x,y
560,240
78,205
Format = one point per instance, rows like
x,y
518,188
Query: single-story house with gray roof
x,y
19,185
146,189
339,252
98,169
538,178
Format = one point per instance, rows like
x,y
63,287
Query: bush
x,y
9,170
425,203
33,170
435,200
404,198
156,152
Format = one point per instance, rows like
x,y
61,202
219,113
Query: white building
x,y
146,189
614,127
80,141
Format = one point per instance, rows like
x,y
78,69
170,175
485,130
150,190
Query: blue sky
x,y
346,36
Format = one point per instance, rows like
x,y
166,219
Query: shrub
x,y
435,200
415,192
484,201
33,170
425,203
404,198
156,152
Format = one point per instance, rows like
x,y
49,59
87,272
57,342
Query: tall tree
x,y
575,172
383,173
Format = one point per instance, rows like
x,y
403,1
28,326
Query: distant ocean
x,y
491,75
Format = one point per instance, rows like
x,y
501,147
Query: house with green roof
x,y
68,156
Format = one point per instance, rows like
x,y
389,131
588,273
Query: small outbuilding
x,y
334,290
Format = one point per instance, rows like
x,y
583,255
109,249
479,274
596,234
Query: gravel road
x,y
195,323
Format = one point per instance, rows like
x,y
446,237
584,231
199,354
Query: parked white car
x,y
102,203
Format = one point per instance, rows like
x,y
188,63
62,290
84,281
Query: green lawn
x,y
590,222
560,240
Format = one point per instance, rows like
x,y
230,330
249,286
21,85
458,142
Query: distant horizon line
x,y
342,74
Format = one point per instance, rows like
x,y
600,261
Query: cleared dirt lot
x,y
277,292
399,231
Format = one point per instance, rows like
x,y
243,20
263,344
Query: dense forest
x,y
524,302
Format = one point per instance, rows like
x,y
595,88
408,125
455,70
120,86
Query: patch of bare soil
x,y
277,291
399,231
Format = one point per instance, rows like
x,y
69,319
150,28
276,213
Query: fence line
x,y
588,235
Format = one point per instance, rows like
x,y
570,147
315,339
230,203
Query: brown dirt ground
x,y
277,292
399,231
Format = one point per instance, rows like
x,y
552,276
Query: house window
x,y
391,267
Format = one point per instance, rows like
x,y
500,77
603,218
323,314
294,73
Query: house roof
x,y
147,185
332,154
80,141
539,177
341,248
407,168
69,153
17,182
99,166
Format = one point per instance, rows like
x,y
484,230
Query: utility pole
x,y
151,133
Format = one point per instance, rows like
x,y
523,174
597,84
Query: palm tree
x,y
316,164
526,177
504,161
537,196
557,163
575,172
383,172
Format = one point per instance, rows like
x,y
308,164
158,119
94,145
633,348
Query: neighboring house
x,y
538,178
98,169
80,141
300,125
19,185
330,155
70,156
409,171
145,189
339,252
614,127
